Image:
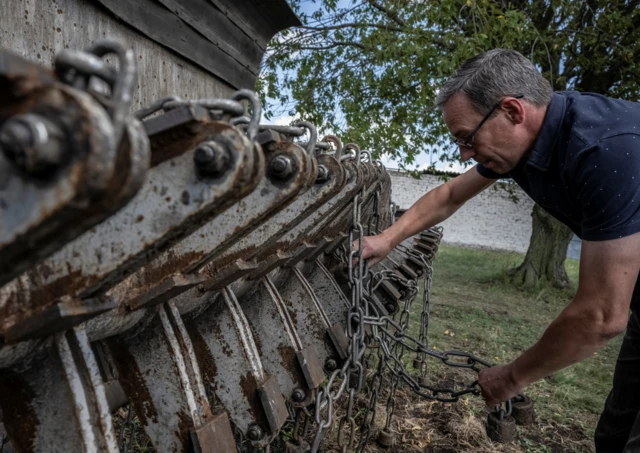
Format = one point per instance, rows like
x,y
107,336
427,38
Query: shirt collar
x,y
545,143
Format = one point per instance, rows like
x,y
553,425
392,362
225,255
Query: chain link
x,y
375,336
125,445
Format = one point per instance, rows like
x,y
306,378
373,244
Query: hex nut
x,y
255,433
32,142
330,364
323,174
281,167
211,158
298,395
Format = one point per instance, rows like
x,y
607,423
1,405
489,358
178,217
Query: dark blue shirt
x,y
584,168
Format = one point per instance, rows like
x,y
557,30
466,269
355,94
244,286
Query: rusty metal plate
x,y
273,404
311,367
63,315
340,340
214,436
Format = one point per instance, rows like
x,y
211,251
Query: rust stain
x,y
289,359
132,381
155,272
185,426
205,358
249,388
175,141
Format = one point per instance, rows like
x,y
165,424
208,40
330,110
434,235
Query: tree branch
x,y
333,46
390,14
352,25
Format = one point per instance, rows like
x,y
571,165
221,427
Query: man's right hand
x,y
374,248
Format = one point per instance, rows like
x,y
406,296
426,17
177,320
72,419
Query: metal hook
x,y
352,147
234,108
121,82
155,107
244,119
366,153
285,130
254,124
336,142
313,134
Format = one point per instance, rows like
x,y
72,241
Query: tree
x,y
370,69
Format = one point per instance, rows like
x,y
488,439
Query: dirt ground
x,y
431,427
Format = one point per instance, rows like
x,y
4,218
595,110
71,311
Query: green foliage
x,y
370,70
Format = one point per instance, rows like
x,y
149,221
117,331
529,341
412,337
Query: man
x,y
578,156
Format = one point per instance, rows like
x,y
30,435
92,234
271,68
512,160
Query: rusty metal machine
x,y
196,267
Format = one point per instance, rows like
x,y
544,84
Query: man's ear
x,y
514,109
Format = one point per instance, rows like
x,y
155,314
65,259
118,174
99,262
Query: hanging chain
x,y
387,343
351,374
128,425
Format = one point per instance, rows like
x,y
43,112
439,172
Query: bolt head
x,y
15,137
298,395
323,174
255,433
211,158
32,142
390,308
330,364
282,167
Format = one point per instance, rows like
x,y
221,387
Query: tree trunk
x,y
546,254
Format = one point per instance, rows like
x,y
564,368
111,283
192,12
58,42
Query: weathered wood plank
x,y
214,25
38,30
161,25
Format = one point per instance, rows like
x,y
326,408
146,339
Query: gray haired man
x,y
578,157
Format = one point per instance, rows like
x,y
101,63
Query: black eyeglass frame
x,y
466,141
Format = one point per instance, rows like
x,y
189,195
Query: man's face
x,y
497,145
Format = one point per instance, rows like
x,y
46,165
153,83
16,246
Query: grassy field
x,y
475,309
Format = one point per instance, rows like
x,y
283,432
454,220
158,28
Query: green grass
x,y
475,309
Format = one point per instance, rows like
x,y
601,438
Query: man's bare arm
x,y
598,312
431,209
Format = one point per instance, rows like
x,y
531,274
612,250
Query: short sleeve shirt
x,y
584,168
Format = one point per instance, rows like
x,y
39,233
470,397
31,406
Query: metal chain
x,y
425,317
398,349
351,373
122,445
388,337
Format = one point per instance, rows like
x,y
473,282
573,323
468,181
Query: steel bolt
x,y
330,364
255,433
282,167
32,142
298,395
323,174
390,308
211,158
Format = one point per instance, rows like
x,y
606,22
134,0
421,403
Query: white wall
x,y
489,220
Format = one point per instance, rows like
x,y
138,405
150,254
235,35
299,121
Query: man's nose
x,y
466,153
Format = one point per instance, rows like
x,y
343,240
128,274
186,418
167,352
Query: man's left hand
x,y
497,384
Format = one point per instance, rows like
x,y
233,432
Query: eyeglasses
x,y
466,141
